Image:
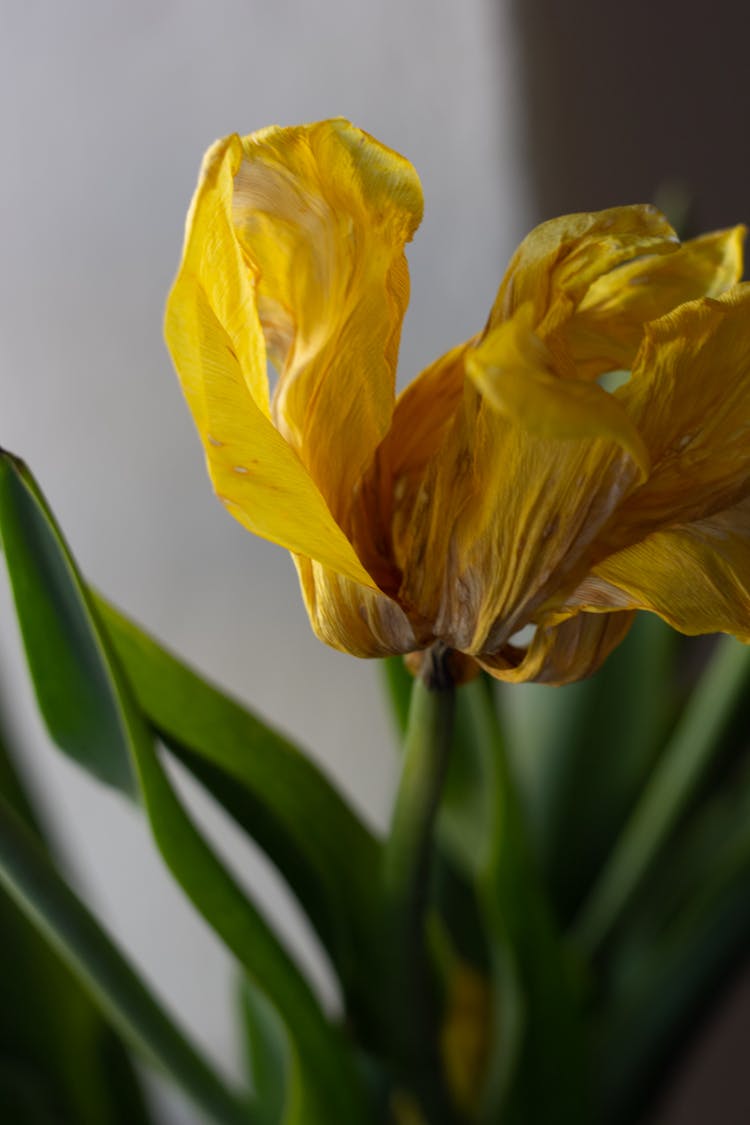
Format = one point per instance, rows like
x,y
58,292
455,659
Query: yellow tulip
x,y
505,487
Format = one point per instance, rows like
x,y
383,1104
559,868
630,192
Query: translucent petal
x,y
564,653
216,340
559,260
352,617
697,577
689,397
423,412
515,373
422,416
322,213
606,329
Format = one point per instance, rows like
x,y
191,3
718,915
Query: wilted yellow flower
x,y
505,487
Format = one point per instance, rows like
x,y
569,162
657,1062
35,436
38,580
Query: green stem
x,y
406,871
42,894
536,1050
675,780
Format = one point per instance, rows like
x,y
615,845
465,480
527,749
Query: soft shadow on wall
x,y
629,103
620,99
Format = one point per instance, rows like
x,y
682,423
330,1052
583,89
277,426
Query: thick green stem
x,y
406,871
674,782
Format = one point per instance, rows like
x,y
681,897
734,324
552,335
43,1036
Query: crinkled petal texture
x,y
516,373
352,617
512,516
321,214
689,395
520,486
506,487
578,293
605,331
294,253
684,535
697,577
562,654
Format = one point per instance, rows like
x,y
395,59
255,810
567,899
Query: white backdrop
x,y
106,109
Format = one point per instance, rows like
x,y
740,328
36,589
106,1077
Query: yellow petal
x,y
422,415
501,518
689,397
696,577
322,213
606,329
423,412
559,260
351,617
514,371
564,653
216,340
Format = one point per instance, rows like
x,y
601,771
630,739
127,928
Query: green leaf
x,y
693,746
683,947
75,696
328,1087
29,877
537,1052
56,1052
581,754
268,1053
322,1061
330,860
287,804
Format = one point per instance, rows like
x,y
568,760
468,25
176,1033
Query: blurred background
x,y
511,112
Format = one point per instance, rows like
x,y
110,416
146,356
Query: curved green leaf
x,y
268,1053
581,754
685,963
56,1051
537,1051
328,1088
29,877
75,697
286,803
694,744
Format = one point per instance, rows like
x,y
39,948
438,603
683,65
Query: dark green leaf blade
x,y
56,1052
29,877
683,949
537,1053
293,811
582,752
275,793
75,697
694,744
268,1053
328,1090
